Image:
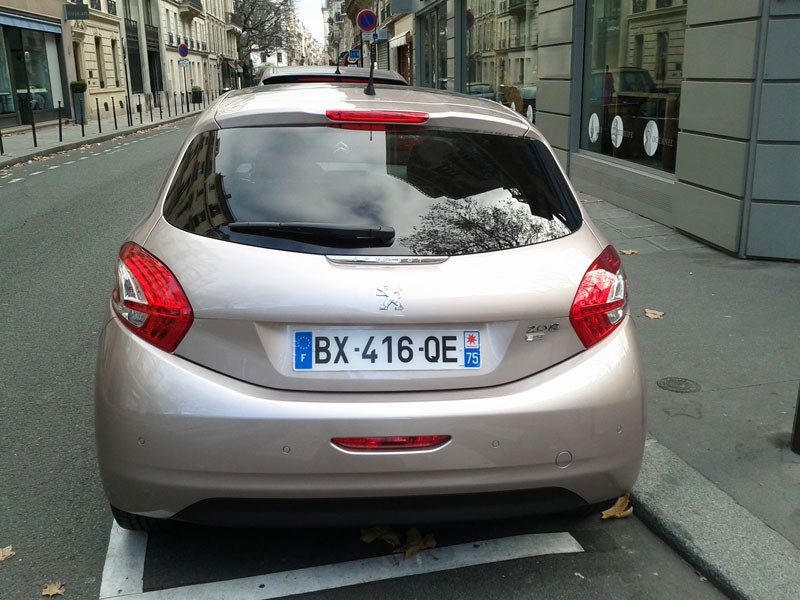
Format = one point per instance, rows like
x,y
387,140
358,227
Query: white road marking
x,y
36,173
16,180
124,576
69,162
53,167
123,571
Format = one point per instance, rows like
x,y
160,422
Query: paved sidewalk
x,y
719,479
723,371
18,141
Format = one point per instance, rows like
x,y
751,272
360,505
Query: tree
x,y
264,30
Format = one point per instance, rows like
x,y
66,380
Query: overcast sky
x,y
310,13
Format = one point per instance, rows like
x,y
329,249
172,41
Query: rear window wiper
x,y
328,234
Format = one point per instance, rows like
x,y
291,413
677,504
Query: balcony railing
x,y
151,33
131,28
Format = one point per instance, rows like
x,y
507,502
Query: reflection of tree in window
x,y
492,194
473,225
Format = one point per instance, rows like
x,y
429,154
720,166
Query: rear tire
x,y
134,522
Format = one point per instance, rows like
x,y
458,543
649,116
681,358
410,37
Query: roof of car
x,y
306,74
307,103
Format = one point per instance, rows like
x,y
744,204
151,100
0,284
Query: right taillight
x,y
601,301
149,300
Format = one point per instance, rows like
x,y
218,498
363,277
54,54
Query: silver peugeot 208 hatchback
x,y
347,307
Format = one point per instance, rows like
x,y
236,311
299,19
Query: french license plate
x,y
386,350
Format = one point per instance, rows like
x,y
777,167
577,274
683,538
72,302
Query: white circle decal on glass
x,y
617,130
594,128
650,138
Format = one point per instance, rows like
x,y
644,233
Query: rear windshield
x,y
394,192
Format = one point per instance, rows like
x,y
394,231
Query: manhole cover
x,y
678,384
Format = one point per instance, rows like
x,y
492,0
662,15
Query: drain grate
x,y
678,384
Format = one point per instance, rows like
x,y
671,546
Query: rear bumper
x,y
173,437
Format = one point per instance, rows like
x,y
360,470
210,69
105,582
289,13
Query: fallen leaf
x,y
379,532
629,252
622,508
653,314
6,553
56,588
415,543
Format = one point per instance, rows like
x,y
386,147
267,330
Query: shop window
x,y
631,96
503,67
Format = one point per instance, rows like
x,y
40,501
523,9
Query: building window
x,y
115,60
101,68
631,97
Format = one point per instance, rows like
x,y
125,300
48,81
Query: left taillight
x,y
601,301
149,300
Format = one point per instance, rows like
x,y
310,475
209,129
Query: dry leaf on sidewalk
x,y
56,588
6,553
629,252
622,508
653,314
379,532
415,543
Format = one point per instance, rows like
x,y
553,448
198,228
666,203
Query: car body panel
x,y
191,434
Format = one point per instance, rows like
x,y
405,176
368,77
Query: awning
x,y
9,20
399,40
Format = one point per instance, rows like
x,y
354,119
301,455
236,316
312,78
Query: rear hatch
x,y
363,257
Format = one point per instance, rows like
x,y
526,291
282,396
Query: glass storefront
x,y
633,67
502,48
30,85
433,26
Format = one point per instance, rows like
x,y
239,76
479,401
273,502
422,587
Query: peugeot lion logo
x,y
391,296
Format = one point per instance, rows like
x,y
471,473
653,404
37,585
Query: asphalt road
x,y
63,220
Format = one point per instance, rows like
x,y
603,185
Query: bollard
x,y
150,106
795,441
160,108
169,110
99,120
33,129
114,112
2,150
139,109
60,132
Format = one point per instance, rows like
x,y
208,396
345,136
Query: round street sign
x,y
183,50
366,20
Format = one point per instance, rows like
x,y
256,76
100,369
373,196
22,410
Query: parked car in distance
x,y
315,74
481,90
346,308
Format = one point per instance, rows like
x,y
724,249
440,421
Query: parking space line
x,y
123,572
326,577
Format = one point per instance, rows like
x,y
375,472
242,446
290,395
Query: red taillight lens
x,y
601,301
392,442
149,299
383,117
